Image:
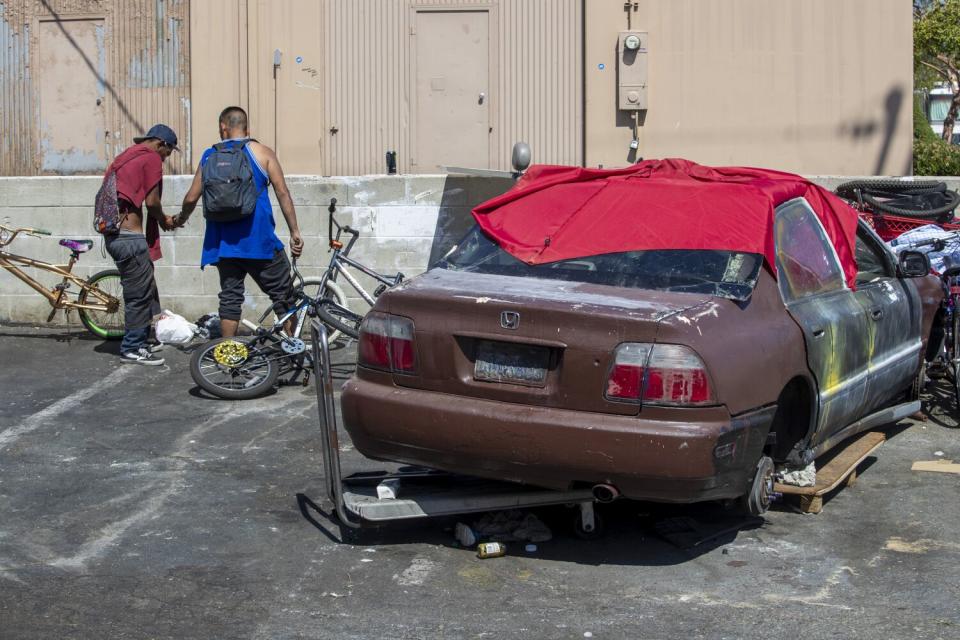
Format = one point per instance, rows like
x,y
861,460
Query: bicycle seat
x,y
77,245
951,271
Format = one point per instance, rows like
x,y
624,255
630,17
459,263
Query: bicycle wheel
x,y
234,369
849,189
312,289
340,318
103,324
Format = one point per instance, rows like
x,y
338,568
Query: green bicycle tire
x,y
96,321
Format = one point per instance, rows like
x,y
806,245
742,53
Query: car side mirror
x,y
914,264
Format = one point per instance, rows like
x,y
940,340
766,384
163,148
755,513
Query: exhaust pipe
x,y
605,492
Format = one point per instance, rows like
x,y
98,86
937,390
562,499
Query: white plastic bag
x,y
174,329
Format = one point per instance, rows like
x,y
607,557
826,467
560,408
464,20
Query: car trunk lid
x,y
525,340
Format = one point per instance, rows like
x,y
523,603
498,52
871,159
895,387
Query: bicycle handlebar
x,y
296,272
332,222
15,231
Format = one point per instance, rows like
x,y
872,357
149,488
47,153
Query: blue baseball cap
x,y
162,133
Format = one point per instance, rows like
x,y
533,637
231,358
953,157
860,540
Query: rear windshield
x,y
727,274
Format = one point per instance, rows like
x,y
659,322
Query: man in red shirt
x,y
139,172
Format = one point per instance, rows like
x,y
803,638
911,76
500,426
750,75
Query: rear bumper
x,y
666,455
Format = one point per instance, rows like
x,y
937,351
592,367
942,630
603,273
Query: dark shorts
x,y
272,276
141,301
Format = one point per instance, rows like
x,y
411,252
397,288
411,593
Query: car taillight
x,y
386,342
667,374
625,381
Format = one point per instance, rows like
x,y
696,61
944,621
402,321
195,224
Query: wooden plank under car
x,y
842,466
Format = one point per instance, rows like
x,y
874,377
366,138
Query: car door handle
x,y
876,313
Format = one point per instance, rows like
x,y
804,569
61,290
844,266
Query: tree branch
x,y
947,62
944,73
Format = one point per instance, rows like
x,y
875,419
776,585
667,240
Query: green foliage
x,y
922,132
936,32
936,48
935,158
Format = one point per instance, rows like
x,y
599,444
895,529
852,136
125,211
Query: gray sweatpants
x,y
141,300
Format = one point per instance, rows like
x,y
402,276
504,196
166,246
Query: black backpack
x,y
229,190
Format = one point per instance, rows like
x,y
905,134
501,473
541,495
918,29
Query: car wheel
x,y
757,500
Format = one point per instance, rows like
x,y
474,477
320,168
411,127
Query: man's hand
x,y
168,223
296,243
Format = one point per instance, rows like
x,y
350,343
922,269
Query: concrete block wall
x,y
405,222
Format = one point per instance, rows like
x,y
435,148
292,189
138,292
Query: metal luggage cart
x,y
420,493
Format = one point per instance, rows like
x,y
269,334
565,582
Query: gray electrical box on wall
x,y
632,70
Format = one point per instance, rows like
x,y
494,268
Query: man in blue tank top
x,y
248,246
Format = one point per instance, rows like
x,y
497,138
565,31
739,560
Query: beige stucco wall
x,y
812,86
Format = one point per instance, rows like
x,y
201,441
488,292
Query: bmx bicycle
x,y
244,367
98,300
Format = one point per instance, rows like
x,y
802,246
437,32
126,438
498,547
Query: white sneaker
x,y
143,356
155,347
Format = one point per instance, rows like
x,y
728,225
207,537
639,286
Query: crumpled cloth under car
x,y
806,477
511,526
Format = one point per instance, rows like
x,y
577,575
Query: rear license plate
x,y
513,363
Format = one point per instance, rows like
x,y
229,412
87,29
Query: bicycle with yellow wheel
x,y
245,367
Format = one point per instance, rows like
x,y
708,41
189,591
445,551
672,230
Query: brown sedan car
x,y
667,374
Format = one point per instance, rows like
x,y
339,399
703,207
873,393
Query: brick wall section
x,y
403,220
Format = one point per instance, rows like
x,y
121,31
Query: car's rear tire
x,y
756,502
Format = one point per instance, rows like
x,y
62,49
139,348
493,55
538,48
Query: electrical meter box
x,y
632,70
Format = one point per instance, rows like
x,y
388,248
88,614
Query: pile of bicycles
x,y
926,200
246,367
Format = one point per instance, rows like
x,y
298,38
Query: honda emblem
x,y
509,319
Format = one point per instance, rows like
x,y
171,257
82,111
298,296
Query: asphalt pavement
x,y
134,506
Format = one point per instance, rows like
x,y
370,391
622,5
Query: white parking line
x,y
417,573
40,418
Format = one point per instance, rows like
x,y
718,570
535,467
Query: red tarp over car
x,y
559,213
